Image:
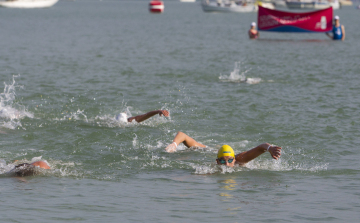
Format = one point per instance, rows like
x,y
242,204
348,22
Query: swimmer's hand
x,y
171,148
275,152
164,113
130,119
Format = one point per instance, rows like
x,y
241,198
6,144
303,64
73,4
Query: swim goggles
x,y
222,161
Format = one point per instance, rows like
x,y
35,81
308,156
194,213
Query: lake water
x,y
67,71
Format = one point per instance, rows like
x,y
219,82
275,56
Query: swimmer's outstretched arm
x,y
251,154
143,117
182,138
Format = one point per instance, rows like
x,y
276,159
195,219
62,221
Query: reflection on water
x,y
230,184
227,185
296,40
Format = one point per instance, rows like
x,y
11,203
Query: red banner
x,y
280,21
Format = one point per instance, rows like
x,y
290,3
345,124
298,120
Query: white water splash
x,y
78,115
238,75
4,168
134,142
282,165
11,112
212,168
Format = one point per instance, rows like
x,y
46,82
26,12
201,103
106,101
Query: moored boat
x,y
303,4
346,2
300,5
28,3
228,6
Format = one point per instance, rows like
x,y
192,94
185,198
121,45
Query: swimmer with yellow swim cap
x,y
226,155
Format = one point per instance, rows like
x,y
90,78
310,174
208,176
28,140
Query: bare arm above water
x,y
143,117
251,154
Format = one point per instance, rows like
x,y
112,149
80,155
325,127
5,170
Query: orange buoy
x,y
156,6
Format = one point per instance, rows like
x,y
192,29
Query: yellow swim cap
x,y
225,150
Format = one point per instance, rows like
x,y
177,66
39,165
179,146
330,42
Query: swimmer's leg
x,y
182,138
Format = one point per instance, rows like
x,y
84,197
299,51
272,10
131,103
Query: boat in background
x,y
301,5
228,6
187,0
346,2
28,3
311,4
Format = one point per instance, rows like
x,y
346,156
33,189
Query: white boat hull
x,y
28,3
312,5
303,5
214,7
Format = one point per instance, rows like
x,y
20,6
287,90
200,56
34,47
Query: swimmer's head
x,y
122,117
26,169
226,156
336,17
41,164
253,24
225,150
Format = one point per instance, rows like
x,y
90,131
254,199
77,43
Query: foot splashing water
x,y
238,76
11,112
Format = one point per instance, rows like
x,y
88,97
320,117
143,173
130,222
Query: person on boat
x,y
140,118
338,30
253,33
226,155
28,169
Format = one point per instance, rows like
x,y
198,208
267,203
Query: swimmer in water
x,y
28,169
226,155
253,33
140,118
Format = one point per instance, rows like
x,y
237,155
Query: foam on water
x,y
10,111
78,115
212,168
238,75
4,168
